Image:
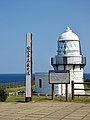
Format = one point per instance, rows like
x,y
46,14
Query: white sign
x,y
59,76
28,64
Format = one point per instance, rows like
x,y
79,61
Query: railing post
x,y
72,86
66,91
52,91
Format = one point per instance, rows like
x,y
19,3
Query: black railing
x,y
68,60
73,89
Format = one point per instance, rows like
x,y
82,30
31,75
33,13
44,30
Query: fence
x,y
73,89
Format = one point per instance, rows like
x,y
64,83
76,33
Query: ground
x,y
44,110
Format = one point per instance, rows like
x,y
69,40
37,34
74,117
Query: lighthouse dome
x,y
68,35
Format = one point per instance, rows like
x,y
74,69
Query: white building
x,y
42,85
69,57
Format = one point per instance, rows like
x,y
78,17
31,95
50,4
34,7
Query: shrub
x,y
3,94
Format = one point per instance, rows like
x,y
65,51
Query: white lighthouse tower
x,y
69,57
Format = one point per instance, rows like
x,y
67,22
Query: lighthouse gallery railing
x,y
68,60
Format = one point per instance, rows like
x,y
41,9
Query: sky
x,y
46,20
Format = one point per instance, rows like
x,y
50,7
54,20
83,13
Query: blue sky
x,y
46,19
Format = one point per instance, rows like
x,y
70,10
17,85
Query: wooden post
x,y
72,85
52,91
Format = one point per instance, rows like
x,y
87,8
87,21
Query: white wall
x,y
77,76
46,87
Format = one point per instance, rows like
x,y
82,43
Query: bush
x,y
3,94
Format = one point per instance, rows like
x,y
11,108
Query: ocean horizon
x,y
9,78
13,78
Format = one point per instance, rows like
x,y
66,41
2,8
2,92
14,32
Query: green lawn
x,y
22,98
15,99
15,89
46,98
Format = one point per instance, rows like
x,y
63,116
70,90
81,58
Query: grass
x,y
40,98
60,98
82,99
87,85
15,99
15,89
23,88
22,98
46,98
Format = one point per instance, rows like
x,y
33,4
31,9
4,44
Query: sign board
x,y
59,77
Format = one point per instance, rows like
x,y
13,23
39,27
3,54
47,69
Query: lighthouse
x,y
69,57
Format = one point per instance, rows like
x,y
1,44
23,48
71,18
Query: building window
x,y
73,67
40,83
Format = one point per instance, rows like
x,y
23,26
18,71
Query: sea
x,y
15,78
18,79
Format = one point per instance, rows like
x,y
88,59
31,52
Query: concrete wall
x,y
45,87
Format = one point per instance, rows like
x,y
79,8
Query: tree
x,y
3,94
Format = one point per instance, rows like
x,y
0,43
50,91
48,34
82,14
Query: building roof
x,y
68,35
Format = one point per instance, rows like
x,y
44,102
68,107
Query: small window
x,y
40,83
73,67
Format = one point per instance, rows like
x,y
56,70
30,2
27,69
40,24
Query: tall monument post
x,y
28,96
